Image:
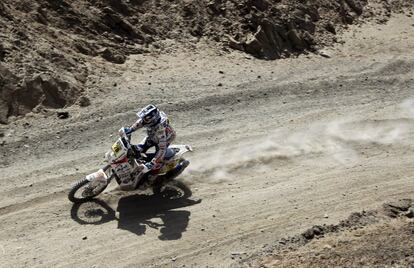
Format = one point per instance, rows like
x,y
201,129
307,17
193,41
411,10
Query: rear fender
x,y
182,149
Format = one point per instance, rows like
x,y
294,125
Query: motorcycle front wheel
x,y
81,191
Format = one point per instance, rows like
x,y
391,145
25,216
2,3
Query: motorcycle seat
x,y
168,154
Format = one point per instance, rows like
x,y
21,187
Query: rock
x,y
112,56
317,230
330,27
326,216
391,212
85,47
84,238
84,101
401,205
326,246
312,232
51,92
235,44
303,21
394,209
324,54
219,84
265,43
63,115
308,234
296,39
410,213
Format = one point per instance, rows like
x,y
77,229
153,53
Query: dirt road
x,y
279,146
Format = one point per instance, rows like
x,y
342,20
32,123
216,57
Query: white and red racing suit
x,y
159,135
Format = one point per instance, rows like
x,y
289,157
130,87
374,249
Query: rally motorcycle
x,y
125,164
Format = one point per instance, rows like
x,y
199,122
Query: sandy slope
x,y
388,244
278,145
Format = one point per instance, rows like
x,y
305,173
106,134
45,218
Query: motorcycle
x,y
125,164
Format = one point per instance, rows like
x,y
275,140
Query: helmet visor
x,y
147,119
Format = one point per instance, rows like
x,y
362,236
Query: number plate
x,y
116,148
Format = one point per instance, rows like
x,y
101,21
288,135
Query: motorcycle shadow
x,y
136,212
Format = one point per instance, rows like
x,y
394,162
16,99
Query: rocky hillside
x,y
47,46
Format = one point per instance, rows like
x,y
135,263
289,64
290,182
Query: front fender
x,y
99,175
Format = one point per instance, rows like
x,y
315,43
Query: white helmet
x,y
149,115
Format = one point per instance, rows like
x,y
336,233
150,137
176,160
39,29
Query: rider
x,y
159,134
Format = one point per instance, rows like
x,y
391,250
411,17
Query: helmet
x,y
149,115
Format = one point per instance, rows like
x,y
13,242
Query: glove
x,y
125,130
147,167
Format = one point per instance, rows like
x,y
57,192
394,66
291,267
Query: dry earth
x,y
51,51
376,238
279,146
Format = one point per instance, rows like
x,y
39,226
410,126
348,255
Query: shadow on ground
x,y
138,212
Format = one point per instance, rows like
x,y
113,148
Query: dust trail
x,y
337,142
407,107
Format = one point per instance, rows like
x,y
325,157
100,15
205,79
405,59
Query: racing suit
x,y
159,135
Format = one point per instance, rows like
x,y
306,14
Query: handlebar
x,y
126,140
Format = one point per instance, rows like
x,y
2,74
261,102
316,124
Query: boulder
x,y
112,56
268,41
43,90
396,208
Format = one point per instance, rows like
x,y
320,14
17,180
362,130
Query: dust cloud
x,y
337,142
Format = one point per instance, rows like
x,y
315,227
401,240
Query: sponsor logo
x,y
116,148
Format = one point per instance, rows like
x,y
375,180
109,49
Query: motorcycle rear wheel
x,y
81,185
172,190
